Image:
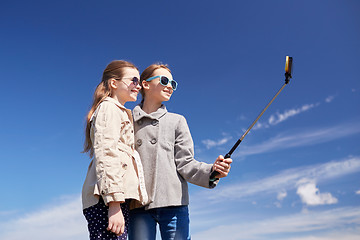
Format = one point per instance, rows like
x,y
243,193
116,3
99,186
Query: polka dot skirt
x,y
98,221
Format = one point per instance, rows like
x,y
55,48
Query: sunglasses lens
x,y
135,80
173,85
164,81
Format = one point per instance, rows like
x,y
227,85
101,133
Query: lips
x,y
167,91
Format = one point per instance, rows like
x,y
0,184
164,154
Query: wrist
x,y
114,204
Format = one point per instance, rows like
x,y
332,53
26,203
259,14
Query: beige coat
x,y
115,173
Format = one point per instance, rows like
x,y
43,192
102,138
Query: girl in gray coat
x,y
165,145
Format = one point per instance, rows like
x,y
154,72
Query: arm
x,y
190,169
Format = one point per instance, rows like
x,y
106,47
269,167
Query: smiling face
x,y
154,90
124,89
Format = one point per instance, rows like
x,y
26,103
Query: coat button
x,y
139,142
154,122
153,141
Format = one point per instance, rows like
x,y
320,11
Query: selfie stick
x,y
288,68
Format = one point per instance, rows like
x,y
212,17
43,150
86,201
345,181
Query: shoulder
x,y
174,115
175,118
110,110
108,107
178,122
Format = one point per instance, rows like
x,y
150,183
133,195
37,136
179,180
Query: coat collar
x,y
117,103
138,113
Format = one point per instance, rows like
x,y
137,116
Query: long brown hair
x,y
148,73
115,69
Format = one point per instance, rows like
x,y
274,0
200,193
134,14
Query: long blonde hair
x,y
115,69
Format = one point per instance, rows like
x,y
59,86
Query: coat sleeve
x,y
191,170
108,159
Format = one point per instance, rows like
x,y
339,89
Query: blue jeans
x,y
173,223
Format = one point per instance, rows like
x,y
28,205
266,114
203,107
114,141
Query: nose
x,y
138,86
169,85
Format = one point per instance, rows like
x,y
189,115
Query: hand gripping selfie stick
x,y
288,68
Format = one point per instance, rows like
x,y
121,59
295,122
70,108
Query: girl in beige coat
x,y
115,173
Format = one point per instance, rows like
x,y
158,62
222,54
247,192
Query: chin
x,y
133,97
166,97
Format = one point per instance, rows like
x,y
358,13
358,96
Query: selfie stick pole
x,y
288,68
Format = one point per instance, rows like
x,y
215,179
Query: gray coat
x,y
165,145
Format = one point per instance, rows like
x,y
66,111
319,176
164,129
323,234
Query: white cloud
x,y
334,235
280,117
8,213
211,143
310,194
260,125
241,117
303,138
320,225
358,192
281,195
61,221
285,180
277,118
329,99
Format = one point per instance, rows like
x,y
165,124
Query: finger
x,y
228,160
221,175
122,230
109,226
118,230
223,166
221,170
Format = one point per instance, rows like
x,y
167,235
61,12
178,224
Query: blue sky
x,y
296,174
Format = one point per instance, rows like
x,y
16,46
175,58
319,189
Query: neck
x,y
119,100
150,106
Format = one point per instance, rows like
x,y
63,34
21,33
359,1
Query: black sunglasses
x,y
134,80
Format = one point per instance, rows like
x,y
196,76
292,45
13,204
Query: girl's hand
x,y
116,219
222,166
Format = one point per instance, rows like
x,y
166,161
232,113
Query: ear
x,y
145,84
113,83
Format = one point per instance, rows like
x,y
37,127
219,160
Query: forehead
x,y
130,72
162,71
